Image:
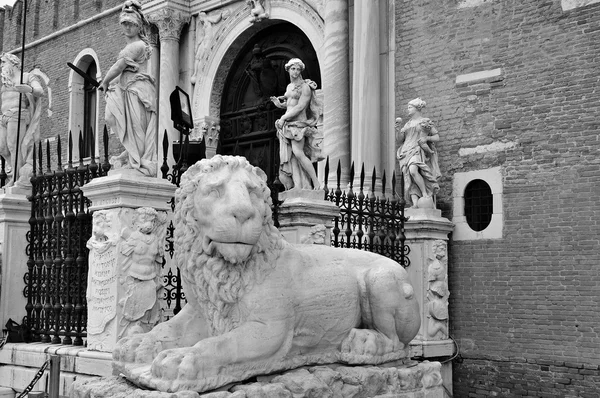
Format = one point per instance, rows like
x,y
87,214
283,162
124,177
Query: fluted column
x,y
169,23
155,58
366,99
336,87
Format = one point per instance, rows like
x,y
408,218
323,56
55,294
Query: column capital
x,y
169,23
207,128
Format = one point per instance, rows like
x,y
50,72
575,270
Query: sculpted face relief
x,y
258,305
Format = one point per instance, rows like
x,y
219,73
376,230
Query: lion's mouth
x,y
234,252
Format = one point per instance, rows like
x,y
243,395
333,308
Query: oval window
x,y
479,204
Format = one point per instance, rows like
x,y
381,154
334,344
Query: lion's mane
x,y
211,282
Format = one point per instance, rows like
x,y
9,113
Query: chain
x,y
35,379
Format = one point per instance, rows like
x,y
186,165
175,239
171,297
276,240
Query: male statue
x,y
32,90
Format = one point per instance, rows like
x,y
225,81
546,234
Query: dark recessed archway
x,y
257,72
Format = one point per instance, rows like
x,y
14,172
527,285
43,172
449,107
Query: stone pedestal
x,y
126,249
386,381
15,211
427,236
305,217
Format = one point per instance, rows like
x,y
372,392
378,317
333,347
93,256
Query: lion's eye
x,y
215,193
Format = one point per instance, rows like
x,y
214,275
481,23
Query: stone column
x,y
305,217
336,87
131,215
169,23
366,97
15,211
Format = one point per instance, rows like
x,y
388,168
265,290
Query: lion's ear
x,y
260,173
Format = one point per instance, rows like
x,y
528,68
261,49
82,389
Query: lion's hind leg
x,y
391,317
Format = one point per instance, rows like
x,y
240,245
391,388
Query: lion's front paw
x,y
139,348
369,342
182,364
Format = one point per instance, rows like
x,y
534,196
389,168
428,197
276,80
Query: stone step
x,y
6,392
19,363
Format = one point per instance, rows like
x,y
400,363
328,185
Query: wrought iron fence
x,y
3,175
173,295
60,225
369,221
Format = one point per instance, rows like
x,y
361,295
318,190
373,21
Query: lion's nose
x,y
242,211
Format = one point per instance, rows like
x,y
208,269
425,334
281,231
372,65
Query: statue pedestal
x,y
388,380
126,248
305,217
427,236
15,211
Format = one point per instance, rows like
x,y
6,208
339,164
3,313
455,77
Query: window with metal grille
x,y
478,204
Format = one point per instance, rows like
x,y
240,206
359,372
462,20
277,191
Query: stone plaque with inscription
x,y
102,289
124,281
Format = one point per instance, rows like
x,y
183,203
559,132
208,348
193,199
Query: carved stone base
x,y
392,381
126,249
305,217
427,236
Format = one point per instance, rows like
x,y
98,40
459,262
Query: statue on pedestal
x,y
258,304
299,139
32,90
131,100
418,156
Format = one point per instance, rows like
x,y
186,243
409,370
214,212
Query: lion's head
x,y
225,240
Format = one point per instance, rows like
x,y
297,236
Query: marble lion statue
x,y
257,304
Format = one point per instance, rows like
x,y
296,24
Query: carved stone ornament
x,y
258,304
437,293
142,250
169,23
257,10
206,27
316,236
211,134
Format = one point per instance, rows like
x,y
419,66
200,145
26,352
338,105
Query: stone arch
x,y
231,37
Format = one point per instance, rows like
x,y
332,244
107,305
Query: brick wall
x,y
524,308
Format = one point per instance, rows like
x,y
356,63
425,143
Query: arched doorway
x,y
247,115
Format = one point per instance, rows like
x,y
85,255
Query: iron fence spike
x,y
92,144
48,167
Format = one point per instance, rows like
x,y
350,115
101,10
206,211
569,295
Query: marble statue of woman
x,y
131,100
418,157
299,139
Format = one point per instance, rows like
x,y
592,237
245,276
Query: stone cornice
x,y
152,6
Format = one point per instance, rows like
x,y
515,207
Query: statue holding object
x,y
418,156
30,94
300,142
131,101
